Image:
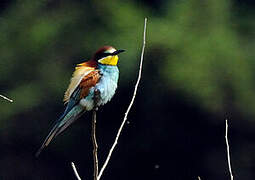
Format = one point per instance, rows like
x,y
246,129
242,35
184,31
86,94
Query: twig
x,y
75,171
6,98
199,178
94,141
130,105
228,154
93,133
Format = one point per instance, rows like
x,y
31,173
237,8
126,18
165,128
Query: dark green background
x,y
198,71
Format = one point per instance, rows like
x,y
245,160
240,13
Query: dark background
x,y
198,71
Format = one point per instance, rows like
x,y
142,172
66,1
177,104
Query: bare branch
x,y
6,98
130,105
95,146
228,153
75,171
93,133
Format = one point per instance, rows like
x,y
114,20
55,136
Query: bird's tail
x,y
61,124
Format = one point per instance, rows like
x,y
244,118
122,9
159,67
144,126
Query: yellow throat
x,y
109,60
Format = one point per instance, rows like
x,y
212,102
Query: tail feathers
x,y
61,124
48,139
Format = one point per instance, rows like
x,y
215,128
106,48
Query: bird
x,y
99,75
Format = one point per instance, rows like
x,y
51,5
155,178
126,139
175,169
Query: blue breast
x,y
107,86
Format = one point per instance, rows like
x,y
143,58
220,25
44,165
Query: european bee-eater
x,y
100,73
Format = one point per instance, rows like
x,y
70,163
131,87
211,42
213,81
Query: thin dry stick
x,y
6,98
94,141
75,171
130,105
228,154
199,178
93,134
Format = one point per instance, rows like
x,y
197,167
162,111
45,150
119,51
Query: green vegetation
x,y
201,51
199,46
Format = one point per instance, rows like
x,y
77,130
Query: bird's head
x,y
107,55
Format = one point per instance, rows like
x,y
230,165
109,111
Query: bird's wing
x,y
82,89
80,92
80,72
73,110
89,81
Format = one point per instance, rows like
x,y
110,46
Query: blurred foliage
x,y
200,50
204,56
206,60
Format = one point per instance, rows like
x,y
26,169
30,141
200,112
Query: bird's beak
x,y
118,51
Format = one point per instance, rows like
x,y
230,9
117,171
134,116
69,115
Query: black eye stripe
x,y
102,55
106,54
